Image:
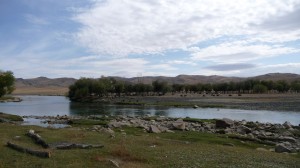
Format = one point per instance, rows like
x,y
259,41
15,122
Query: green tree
x,y
7,81
295,85
260,88
160,87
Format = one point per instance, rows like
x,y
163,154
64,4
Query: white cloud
x,y
239,51
126,27
182,62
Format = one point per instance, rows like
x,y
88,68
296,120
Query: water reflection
x,y
55,105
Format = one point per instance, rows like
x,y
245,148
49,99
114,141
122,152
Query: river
x,y
58,105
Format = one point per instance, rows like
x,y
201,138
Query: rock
x,y
287,133
114,124
170,131
280,148
255,132
114,163
243,130
110,131
228,131
195,106
224,123
288,139
162,128
154,129
287,125
179,124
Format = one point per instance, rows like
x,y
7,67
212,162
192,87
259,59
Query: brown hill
x,y
289,77
43,85
44,82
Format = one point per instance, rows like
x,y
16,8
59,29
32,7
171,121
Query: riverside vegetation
x,y
155,142
88,89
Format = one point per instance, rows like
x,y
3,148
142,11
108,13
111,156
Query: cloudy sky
x,y
129,38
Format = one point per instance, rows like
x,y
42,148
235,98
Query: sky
x,y
134,38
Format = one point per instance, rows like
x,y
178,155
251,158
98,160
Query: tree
x,y
260,88
7,81
160,87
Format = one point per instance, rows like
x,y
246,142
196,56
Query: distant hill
x,y
43,85
289,77
44,82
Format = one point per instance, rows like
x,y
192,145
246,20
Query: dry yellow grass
x,y
41,91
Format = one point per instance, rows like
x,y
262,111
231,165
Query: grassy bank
x,y
10,117
132,147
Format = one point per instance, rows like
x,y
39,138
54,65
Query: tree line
x,y
104,87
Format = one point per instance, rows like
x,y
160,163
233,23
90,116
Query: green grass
x,y
138,149
6,98
10,117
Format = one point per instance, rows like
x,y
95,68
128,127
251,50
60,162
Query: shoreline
x,y
271,102
284,137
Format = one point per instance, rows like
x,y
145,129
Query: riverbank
x,y
154,142
272,102
6,99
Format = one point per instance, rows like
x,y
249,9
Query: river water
x,y
58,105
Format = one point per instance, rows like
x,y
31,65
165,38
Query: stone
x,y
114,163
224,123
179,124
114,124
243,130
287,125
195,106
162,128
255,132
228,131
288,139
287,133
110,131
280,148
154,129
170,131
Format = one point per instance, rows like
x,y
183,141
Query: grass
x,y
10,117
6,98
138,149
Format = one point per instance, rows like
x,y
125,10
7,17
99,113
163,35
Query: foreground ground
x,y
132,147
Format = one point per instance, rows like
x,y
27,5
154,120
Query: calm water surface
x,y
58,105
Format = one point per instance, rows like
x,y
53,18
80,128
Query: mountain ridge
x,y
42,82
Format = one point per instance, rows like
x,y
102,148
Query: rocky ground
x,y
284,137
